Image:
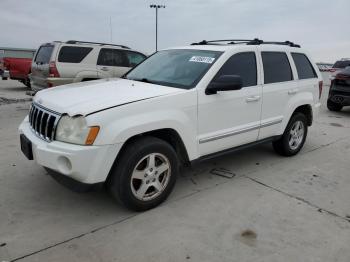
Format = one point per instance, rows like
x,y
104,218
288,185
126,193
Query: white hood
x,y
88,97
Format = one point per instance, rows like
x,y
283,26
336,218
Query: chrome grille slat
x,y
40,122
47,126
37,124
43,122
35,117
30,114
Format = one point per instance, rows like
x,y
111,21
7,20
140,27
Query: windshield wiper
x,y
145,80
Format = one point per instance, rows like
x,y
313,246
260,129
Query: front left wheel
x,y
145,173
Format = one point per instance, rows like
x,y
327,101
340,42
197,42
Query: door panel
x,y
279,87
228,119
231,118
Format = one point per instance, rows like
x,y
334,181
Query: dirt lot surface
x,y
267,208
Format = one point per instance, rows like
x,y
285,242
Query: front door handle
x,y
252,99
293,91
104,68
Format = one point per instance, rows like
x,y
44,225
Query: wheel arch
x,y
168,135
305,109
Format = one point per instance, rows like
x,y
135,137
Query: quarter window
x,y
73,54
304,67
112,57
276,67
243,65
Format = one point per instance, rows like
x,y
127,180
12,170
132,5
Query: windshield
x,y
181,68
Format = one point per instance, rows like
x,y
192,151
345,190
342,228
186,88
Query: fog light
x,y
64,165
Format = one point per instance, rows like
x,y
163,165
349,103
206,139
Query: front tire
x,y
293,137
145,174
333,106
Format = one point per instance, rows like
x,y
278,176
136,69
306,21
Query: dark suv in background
x,y
339,92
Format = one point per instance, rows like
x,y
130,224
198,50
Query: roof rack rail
x,y
255,41
97,43
289,43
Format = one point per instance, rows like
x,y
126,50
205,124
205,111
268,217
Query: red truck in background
x,y
15,63
18,68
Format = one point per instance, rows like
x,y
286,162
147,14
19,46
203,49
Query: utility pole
x,y
110,28
156,7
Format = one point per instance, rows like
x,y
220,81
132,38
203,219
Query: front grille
x,y
43,122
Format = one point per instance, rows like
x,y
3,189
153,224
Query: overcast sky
x,y
321,26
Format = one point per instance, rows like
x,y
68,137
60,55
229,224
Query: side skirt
x,y
232,150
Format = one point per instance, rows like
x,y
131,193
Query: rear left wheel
x,y
145,174
293,137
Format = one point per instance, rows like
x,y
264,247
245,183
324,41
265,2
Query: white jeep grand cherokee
x,y
180,105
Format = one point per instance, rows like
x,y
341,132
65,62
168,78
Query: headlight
x,y
75,130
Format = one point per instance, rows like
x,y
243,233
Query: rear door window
x,y
112,57
304,67
135,58
73,54
44,54
243,65
276,67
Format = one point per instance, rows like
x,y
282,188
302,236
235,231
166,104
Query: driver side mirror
x,y
224,83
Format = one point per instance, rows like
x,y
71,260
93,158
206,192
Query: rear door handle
x,y
252,99
293,91
104,68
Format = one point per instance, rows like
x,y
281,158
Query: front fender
x,y
121,123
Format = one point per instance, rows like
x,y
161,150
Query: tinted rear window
x,y
73,54
304,67
341,64
44,54
276,67
112,57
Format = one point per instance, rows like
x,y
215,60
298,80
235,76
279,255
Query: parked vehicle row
x,y
60,63
324,67
181,105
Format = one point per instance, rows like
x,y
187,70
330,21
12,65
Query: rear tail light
x,y
342,77
332,70
320,86
53,72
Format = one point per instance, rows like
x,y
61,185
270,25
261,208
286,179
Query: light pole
x,y
156,7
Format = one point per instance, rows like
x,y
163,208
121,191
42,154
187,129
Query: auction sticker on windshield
x,y
202,59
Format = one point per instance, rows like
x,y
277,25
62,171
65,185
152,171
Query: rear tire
x,y
333,106
4,78
294,136
145,174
